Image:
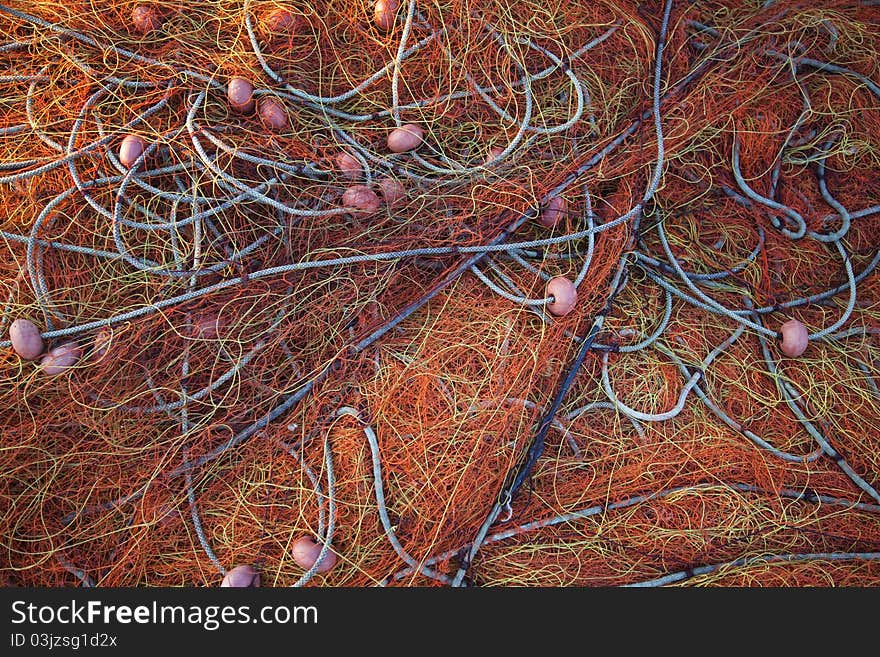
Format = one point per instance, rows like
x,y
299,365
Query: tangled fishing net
x,y
471,293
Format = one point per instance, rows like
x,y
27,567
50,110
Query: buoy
x,y
145,19
348,164
553,212
405,138
392,191
241,577
26,340
384,13
362,198
794,338
278,20
564,295
305,553
131,148
273,114
61,358
240,93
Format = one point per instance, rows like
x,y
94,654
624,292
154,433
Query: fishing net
x,y
402,371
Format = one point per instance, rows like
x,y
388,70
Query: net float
x,y
241,577
61,358
131,148
392,190
279,20
305,552
208,327
102,342
361,197
384,13
494,153
795,338
348,164
553,212
145,19
273,114
564,295
405,138
240,93
26,340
